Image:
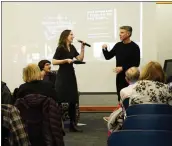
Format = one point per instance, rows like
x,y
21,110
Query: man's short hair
x,y
132,74
128,28
42,63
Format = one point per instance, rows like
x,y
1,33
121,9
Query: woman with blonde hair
x,y
151,87
39,110
34,84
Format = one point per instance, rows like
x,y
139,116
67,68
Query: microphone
x,y
84,43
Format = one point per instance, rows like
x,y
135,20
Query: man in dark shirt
x,y
127,55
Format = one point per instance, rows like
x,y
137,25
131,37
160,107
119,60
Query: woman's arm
x,y
58,62
80,57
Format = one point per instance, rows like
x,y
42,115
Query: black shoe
x,y
74,128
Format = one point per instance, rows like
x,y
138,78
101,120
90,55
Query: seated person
x,y
47,75
151,87
33,83
131,76
6,96
13,127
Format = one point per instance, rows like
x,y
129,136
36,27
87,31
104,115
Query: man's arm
x,y
109,54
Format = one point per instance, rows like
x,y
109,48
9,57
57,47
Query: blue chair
x,y
140,138
148,122
140,109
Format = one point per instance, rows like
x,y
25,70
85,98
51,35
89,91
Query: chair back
x,y
140,138
140,109
148,122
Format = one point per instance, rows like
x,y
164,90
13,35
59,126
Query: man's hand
x,y
104,46
118,69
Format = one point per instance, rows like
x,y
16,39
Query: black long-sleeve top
x,y
37,87
127,55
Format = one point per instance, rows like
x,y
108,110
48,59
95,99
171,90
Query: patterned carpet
x,y
94,133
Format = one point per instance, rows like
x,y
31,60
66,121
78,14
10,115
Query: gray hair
x,y
128,28
132,74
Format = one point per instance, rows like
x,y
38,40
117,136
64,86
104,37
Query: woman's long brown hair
x,y
63,38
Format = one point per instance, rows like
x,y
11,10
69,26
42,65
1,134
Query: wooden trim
x,y
97,108
97,93
165,2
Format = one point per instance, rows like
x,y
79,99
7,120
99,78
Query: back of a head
x,y
42,63
31,72
153,71
132,74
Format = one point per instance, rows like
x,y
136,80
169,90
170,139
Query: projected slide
x,y
35,28
99,22
95,23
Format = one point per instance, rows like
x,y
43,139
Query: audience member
x,y
151,87
37,95
12,121
6,96
131,76
33,83
46,74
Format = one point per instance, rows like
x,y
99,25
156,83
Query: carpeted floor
x,y
94,133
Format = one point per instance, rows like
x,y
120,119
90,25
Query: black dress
x,y
66,84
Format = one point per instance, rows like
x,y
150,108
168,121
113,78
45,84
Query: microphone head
x,y
84,43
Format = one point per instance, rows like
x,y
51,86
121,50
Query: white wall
x,y
164,32
149,41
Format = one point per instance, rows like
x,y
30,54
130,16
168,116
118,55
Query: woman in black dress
x,y
66,84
